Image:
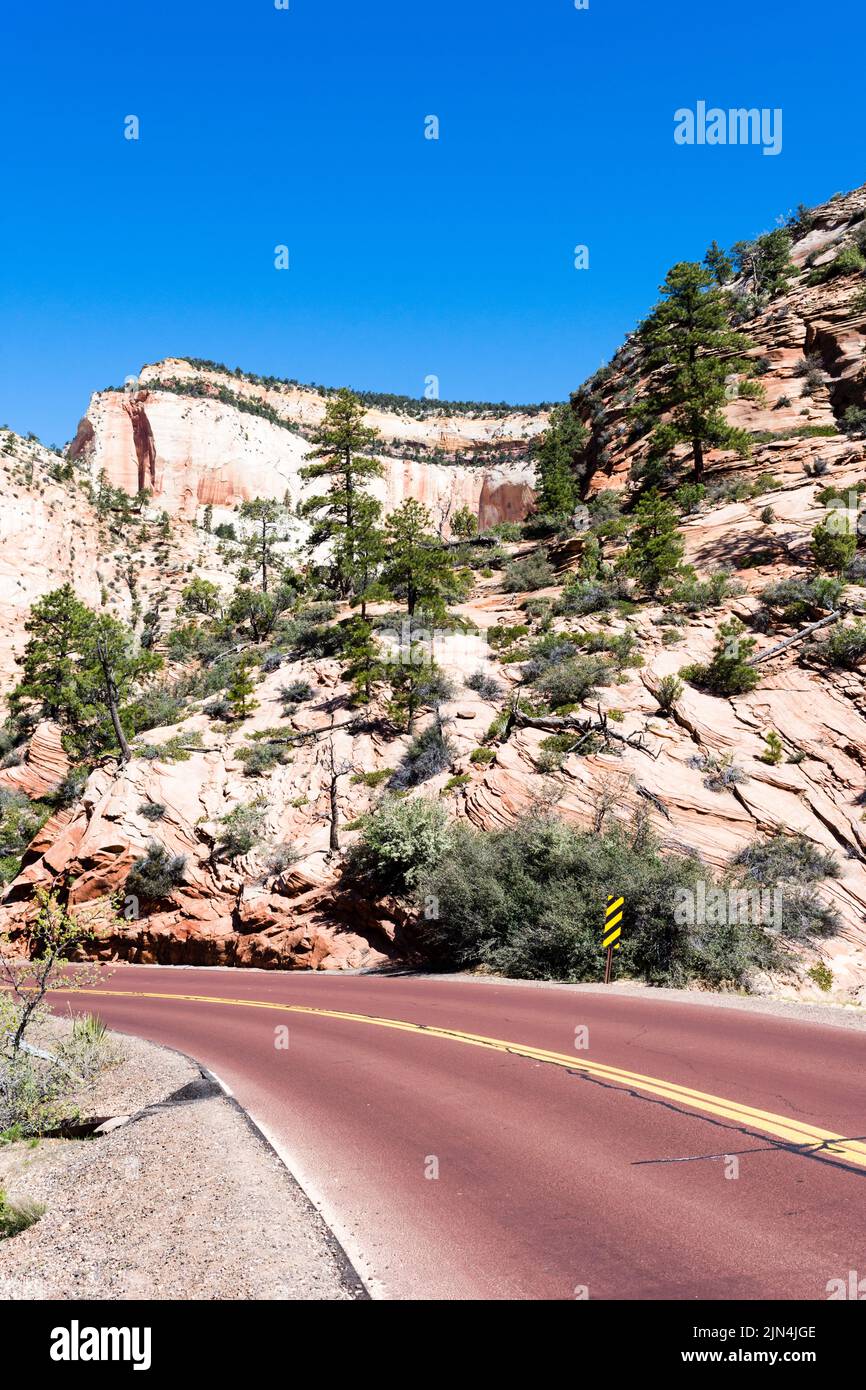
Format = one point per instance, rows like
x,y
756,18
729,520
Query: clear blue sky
x,y
409,257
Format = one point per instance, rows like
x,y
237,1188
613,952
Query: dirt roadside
x,y
185,1201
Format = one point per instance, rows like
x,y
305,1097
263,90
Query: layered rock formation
x,y
193,437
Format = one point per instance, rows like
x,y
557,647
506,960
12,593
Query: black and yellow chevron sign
x,y
612,919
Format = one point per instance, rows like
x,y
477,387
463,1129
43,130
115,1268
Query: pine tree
x,y
259,548
719,264
833,546
656,547
693,349
59,625
364,563
364,668
240,691
557,472
464,524
418,568
766,264
112,668
342,444
79,669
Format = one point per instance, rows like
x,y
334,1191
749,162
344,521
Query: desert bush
x,y
399,842
854,421
800,600
283,857
259,758
668,693
482,756
152,810
720,772
793,865
484,684
528,901
15,1217
296,692
538,609
786,859
241,828
846,645
156,875
728,673
583,596
427,755
574,680
697,595
533,572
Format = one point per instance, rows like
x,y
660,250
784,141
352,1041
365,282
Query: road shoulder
x,y
187,1200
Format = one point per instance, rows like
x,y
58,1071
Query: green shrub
x,y
372,779
822,975
15,1217
529,901
156,875
787,859
482,756
533,572
697,595
583,596
800,600
505,635
259,758
774,749
241,828
570,682
174,750
854,421
668,693
427,755
399,842
833,549
728,672
152,810
484,684
296,692
846,646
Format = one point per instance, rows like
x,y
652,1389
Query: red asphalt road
x,y
549,1181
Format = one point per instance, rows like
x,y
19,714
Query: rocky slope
x,y
182,433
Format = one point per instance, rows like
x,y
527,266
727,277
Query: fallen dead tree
x,y
585,730
798,637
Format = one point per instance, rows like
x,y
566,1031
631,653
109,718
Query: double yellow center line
x,y
822,1143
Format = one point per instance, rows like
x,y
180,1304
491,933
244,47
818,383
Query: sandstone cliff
x,y
183,434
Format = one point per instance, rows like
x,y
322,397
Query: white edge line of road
x,y
344,1237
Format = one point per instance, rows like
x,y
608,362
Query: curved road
x,y
475,1140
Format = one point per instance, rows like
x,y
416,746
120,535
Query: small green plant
x,y
822,975
482,756
774,749
259,758
533,572
668,693
729,672
241,828
89,1029
15,1217
372,779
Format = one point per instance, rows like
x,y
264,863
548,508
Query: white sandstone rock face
x,y
193,450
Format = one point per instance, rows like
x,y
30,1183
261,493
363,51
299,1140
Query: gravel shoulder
x,y
185,1201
